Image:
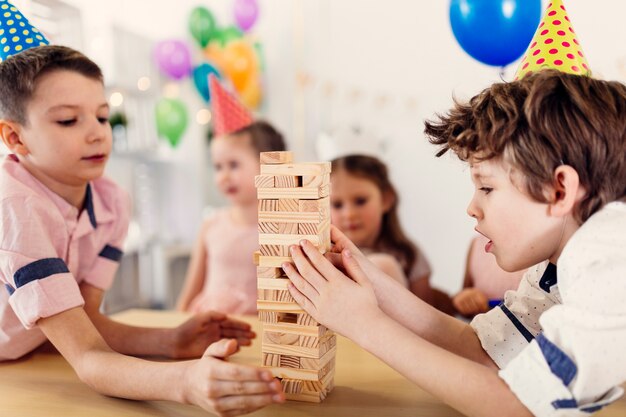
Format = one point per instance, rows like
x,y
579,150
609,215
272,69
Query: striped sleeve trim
x,y
112,253
40,269
518,324
560,364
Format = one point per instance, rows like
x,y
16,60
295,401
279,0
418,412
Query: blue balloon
x,y
201,79
495,32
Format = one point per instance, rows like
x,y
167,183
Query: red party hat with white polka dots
x,y
228,114
554,46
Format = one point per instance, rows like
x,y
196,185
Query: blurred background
x,y
334,76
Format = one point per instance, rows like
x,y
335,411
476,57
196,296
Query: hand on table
x,y
191,338
229,389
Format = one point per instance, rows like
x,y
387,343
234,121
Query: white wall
x,y
384,66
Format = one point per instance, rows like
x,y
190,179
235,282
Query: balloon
x,y
251,94
173,58
215,53
240,64
246,13
495,32
171,119
202,25
201,79
228,34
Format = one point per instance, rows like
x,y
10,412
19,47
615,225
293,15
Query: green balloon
x,y
230,33
171,119
202,25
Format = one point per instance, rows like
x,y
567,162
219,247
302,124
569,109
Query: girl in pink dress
x,y
221,274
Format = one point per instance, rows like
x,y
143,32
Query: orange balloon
x,y
215,54
240,64
251,95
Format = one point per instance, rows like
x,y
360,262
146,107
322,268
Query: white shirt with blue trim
x,y
561,346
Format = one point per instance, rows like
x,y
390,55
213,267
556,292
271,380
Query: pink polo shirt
x,y
47,248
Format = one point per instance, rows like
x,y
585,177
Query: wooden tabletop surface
x,y
45,385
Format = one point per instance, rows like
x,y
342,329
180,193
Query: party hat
x,y
16,33
554,46
228,114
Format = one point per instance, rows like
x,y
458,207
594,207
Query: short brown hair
x,y
540,122
391,237
19,74
263,136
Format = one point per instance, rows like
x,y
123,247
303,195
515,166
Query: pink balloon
x,y
173,58
246,13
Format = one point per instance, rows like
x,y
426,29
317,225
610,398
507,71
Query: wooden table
x,y
45,385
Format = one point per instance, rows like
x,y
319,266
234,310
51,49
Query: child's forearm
x,y
427,322
469,387
135,341
117,375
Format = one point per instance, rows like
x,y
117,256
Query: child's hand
x,y
340,243
343,304
470,302
229,389
191,338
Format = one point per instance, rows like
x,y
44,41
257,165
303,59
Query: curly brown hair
x,y
544,120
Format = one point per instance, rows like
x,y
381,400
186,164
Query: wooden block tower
x,y
294,204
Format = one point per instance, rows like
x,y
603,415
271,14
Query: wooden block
x,y
313,228
287,181
316,397
269,272
282,157
271,359
316,363
289,361
256,257
273,261
315,180
304,374
279,284
301,331
268,316
323,342
292,386
276,306
286,240
300,169
288,229
297,193
290,216
268,205
305,320
300,351
283,296
324,384
264,181
314,205
288,204
274,250
276,338
268,227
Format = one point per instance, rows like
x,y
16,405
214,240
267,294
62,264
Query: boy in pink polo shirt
x,y
61,231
